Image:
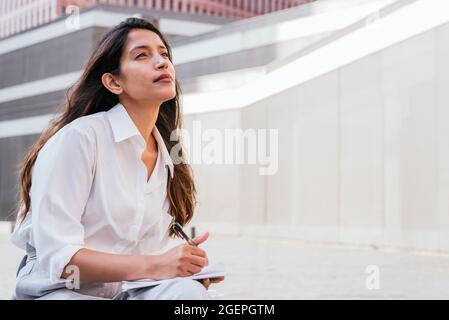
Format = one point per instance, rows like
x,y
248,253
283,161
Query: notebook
x,y
210,271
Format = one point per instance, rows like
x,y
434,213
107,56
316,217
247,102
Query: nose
x,y
162,63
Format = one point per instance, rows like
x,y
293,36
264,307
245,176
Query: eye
x,y
166,54
139,55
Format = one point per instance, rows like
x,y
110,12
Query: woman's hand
x,y
180,261
208,281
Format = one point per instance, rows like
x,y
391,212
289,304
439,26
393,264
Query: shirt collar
x,y
123,128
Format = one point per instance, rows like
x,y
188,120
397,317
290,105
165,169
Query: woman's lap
x,y
183,289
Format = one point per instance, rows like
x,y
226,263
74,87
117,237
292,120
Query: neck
x,y
144,116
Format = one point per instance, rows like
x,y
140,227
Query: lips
x,y
165,77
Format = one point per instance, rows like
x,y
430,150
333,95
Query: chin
x,y
170,96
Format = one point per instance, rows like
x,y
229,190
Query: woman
x,y
104,181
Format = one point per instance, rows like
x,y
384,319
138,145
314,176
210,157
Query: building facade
x,y
19,15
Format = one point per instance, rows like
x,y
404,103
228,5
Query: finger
x,y
216,280
197,251
185,273
203,282
194,268
200,239
199,261
206,283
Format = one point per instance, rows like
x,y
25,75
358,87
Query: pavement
x,y
259,268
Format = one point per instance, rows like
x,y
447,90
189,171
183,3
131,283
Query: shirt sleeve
x,y
61,182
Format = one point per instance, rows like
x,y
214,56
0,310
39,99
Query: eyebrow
x,y
146,47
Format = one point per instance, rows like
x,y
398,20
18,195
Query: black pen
x,y
178,230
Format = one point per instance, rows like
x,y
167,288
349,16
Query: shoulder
x,y
81,133
87,128
90,125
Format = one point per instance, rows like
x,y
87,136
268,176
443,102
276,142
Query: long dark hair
x,y
88,96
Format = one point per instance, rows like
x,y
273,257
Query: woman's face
x,y
143,60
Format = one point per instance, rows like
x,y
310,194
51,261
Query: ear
x,y
111,83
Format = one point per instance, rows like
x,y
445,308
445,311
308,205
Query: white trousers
x,y
184,289
34,284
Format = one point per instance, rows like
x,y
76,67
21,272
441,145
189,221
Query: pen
x,y
178,230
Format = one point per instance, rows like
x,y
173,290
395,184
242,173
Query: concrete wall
x,y
363,149
363,155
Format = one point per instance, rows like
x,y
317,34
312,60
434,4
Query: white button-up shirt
x,y
90,190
